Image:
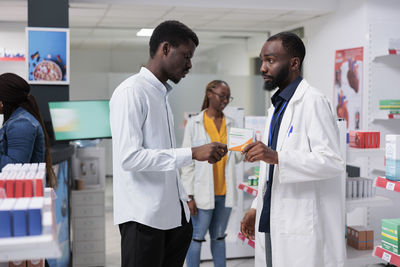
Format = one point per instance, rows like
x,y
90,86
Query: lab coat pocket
x,y
294,141
297,216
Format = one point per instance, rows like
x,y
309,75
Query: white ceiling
x,y
99,23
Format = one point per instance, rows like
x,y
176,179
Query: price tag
x,y
390,186
386,256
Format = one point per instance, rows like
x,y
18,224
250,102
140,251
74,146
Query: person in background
x,y
299,207
150,203
211,188
23,138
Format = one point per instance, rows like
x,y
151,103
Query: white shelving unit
x,y
381,79
360,257
377,201
32,247
387,256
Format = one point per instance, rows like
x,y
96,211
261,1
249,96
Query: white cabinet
x,y
88,227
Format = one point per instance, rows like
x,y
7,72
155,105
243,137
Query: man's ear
x,y
165,48
295,63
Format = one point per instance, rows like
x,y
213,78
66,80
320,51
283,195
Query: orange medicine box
x,y
239,138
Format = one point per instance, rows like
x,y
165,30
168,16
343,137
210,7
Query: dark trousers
x,y
144,246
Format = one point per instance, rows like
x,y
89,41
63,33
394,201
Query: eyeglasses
x,y
222,97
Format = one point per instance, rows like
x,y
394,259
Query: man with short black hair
x,y
150,203
299,205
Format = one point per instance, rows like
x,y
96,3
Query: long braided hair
x,y
14,93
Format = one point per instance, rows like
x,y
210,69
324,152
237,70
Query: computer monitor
x,y
77,120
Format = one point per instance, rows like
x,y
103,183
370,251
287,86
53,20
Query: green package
x,y
390,235
389,104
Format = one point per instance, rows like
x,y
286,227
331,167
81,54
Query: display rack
x,y
32,247
387,184
360,257
386,256
354,153
376,201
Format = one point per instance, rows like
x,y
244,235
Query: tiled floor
x,y
113,238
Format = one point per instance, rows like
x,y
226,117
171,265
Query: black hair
x,y
14,93
292,43
173,32
211,85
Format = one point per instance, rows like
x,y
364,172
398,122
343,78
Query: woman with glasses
x,y
211,188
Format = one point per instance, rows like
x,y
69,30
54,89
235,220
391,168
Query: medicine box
x,y
360,237
238,138
389,104
35,216
6,207
20,217
390,235
393,157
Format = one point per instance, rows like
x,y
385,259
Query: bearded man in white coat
x,y
299,208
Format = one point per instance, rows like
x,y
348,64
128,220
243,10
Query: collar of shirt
x,y
154,81
287,93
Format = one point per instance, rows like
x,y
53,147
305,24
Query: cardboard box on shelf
x,y
360,237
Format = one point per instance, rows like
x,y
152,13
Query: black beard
x,y
280,78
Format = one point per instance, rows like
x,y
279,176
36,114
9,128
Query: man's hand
x,y
192,206
247,225
257,151
212,152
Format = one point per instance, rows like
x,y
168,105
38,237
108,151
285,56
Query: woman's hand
x,y
192,206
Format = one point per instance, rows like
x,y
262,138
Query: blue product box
x,y
393,169
35,216
6,207
20,217
5,223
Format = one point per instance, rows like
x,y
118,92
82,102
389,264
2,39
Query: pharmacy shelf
x,y
33,247
252,190
392,60
384,118
360,257
387,256
376,201
251,243
387,184
354,153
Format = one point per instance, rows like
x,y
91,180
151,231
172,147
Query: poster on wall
x,y
47,59
348,86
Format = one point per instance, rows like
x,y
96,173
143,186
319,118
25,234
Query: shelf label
x,y
386,256
390,186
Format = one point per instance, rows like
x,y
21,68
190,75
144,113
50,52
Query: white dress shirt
x,y
147,188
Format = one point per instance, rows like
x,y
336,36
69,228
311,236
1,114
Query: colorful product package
x,y
390,235
393,157
238,138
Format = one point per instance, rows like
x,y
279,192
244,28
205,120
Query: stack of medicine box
x,y
393,157
391,234
21,212
359,237
253,179
393,106
359,187
360,139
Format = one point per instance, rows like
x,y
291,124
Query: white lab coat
x,y
307,213
198,178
